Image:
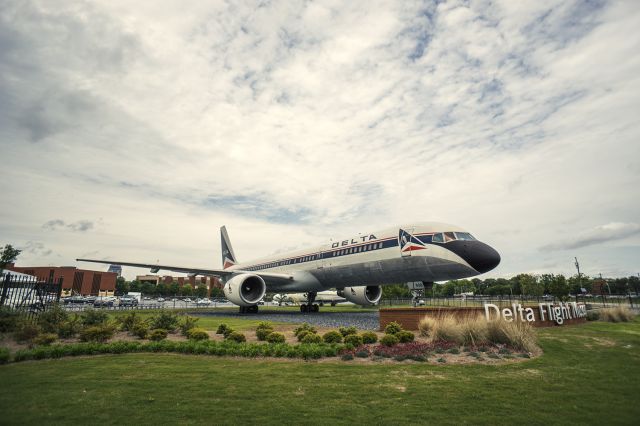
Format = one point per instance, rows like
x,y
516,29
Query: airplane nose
x,y
482,257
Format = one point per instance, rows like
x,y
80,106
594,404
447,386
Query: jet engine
x,y
369,295
245,289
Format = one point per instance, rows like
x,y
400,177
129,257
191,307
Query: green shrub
x,y
332,337
9,319
94,317
303,333
97,333
221,328
369,337
311,338
5,355
275,338
198,334
70,327
392,328
236,337
405,336
165,320
26,331
362,354
346,331
158,334
353,339
262,333
455,351
51,319
442,360
347,357
264,325
45,339
140,330
304,327
187,323
389,340
128,321
227,332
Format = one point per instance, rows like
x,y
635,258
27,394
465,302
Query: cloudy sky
x,y
134,130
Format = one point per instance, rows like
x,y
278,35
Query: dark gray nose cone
x,y
482,257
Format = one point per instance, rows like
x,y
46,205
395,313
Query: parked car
x,y
187,300
90,299
160,299
203,302
105,301
73,300
128,301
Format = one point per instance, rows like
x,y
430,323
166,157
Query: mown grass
x,y
587,375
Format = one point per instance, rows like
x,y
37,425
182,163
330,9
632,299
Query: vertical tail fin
x,y
228,257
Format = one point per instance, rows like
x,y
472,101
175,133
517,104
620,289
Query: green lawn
x,y
588,375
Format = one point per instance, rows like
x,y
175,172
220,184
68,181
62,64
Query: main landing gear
x,y
310,306
249,309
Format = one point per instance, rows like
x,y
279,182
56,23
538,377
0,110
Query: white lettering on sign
x,y
548,311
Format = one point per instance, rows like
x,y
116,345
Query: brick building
x,y
74,280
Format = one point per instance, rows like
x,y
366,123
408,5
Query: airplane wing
x,y
267,276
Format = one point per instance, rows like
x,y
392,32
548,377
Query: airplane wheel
x,y
253,309
333,303
303,308
243,310
316,308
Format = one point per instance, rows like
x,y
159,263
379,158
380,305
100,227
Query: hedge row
x,y
216,348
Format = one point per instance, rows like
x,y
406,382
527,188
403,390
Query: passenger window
x,y
437,238
448,236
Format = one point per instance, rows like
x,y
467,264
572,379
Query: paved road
x,y
362,320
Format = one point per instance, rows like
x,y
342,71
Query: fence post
x,y
5,288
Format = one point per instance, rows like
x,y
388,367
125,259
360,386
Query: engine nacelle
x,y
245,289
369,295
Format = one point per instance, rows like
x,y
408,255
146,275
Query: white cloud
x,y
597,235
293,122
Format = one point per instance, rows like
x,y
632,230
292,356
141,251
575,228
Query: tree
x,y
217,292
174,288
186,290
529,285
559,287
8,255
201,291
122,287
395,291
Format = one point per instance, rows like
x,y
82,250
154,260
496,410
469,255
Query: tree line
x,y
523,285
162,289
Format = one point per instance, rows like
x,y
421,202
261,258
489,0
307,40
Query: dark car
x,y
73,299
128,301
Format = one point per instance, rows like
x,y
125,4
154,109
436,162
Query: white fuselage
x,y
389,256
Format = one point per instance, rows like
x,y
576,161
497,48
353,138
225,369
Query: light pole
x,y
579,278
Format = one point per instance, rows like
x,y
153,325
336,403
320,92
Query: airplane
x,y
330,297
356,266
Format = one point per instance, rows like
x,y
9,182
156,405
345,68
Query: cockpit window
x,y
465,236
437,238
448,236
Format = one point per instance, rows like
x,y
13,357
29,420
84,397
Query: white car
x,y
160,299
203,302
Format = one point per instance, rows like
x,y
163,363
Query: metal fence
x,y
29,295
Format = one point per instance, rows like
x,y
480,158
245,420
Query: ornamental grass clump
x,y
447,329
517,334
426,325
617,314
473,331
